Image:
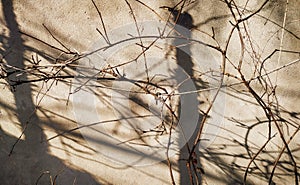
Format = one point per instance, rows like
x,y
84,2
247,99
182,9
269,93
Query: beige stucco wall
x,y
238,129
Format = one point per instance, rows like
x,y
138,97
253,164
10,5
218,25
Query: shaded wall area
x,y
27,160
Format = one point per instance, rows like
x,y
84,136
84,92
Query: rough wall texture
x,y
250,132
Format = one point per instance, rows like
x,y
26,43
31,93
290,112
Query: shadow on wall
x,y
195,174
29,162
184,61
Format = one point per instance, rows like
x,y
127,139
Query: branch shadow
x,y
30,162
240,151
183,25
238,146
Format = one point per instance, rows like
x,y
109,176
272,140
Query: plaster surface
x,y
234,133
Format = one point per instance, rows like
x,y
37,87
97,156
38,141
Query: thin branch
x,y
282,50
151,9
279,156
141,41
92,124
282,37
47,44
57,39
254,13
102,22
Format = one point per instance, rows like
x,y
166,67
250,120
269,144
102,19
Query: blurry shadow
x,y
193,175
185,63
212,19
30,163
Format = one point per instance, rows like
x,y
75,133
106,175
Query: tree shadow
x,y
190,175
30,162
183,25
233,156
244,154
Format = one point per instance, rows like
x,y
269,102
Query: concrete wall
x,y
96,131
